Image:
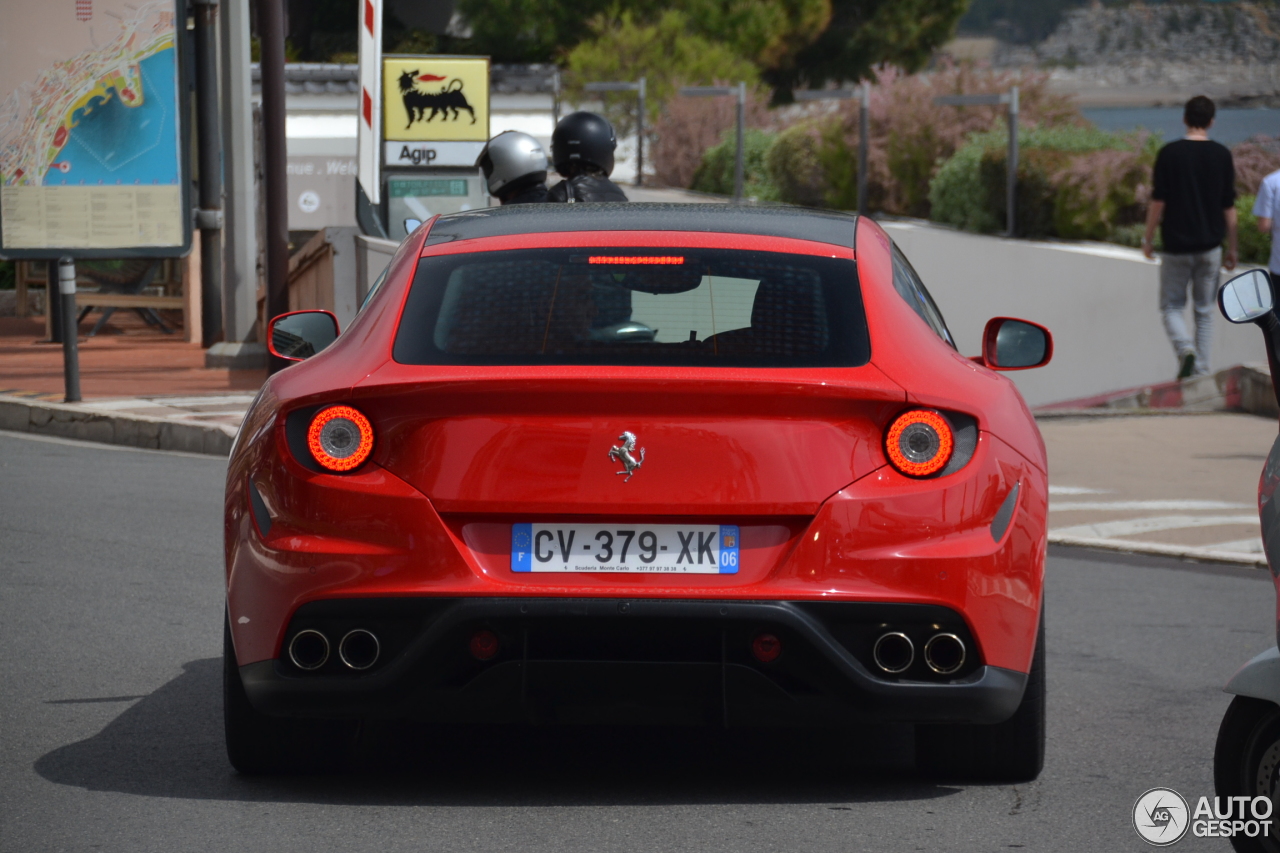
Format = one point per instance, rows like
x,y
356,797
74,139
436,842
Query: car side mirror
x,y
1246,298
411,225
299,335
1012,344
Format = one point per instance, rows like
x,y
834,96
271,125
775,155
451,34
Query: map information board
x,y
90,135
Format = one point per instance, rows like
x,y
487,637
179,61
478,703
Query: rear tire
x,y
258,744
1246,760
1012,751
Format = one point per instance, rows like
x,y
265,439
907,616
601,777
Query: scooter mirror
x,y
1246,297
411,225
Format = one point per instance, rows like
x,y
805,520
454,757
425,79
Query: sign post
x,y
93,139
70,344
1010,99
863,96
435,123
369,123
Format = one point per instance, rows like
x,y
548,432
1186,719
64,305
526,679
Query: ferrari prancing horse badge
x,y
626,455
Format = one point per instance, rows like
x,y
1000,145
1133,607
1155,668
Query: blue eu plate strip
x,y
521,543
728,549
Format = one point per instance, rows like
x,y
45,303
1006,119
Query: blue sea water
x,y
115,144
1230,126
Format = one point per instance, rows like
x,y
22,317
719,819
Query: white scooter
x,y
1246,760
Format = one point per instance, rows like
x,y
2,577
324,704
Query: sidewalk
x,y
1185,485
126,357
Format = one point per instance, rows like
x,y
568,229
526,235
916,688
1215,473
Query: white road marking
x,y
1134,546
1143,506
1134,526
1074,490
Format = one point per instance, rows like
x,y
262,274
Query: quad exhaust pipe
x,y
944,653
358,649
894,653
309,649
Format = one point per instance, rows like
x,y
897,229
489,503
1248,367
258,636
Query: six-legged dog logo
x,y
448,100
1160,816
626,455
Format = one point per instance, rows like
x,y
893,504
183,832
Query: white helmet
x,y
510,156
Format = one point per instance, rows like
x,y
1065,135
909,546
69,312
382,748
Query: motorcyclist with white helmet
x,y
515,168
582,149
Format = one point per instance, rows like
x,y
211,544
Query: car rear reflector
x,y
919,443
636,259
340,438
766,648
484,644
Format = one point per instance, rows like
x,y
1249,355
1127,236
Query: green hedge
x,y
1254,246
715,175
795,165
1073,182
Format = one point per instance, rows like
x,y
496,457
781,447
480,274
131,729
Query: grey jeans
x,y
1200,270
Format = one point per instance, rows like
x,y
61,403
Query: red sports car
x,y
668,464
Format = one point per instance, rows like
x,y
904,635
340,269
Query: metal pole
x,y
70,353
640,133
240,226
209,140
737,159
53,303
1011,189
271,33
555,97
864,131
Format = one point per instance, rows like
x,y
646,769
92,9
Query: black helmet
x,y
583,139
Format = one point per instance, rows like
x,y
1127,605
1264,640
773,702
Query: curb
x,y
68,420
1100,413
1242,388
1203,555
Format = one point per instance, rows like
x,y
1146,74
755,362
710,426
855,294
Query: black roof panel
x,y
770,221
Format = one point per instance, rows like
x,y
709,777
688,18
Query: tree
x,y
529,30
668,52
866,33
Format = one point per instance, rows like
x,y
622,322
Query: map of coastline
x,y
39,118
90,148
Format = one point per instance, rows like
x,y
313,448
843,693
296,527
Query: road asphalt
x,y
110,617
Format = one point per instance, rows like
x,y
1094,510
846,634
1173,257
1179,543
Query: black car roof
x,y
769,221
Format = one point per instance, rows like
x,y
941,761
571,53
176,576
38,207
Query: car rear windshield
x,y
665,306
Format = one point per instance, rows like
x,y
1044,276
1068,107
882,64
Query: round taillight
x,y
919,443
340,438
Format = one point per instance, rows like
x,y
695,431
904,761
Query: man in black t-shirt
x,y
1193,198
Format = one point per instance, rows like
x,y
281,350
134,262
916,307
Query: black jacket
x,y
585,188
535,194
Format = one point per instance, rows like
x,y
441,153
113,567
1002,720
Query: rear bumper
x,y
631,661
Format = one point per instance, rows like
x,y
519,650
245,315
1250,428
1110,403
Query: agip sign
x,y
435,110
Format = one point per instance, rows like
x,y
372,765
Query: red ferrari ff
x,y
629,464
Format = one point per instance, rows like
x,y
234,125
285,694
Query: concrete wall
x,y
1099,301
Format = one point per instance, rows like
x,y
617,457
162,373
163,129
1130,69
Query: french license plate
x,y
704,549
